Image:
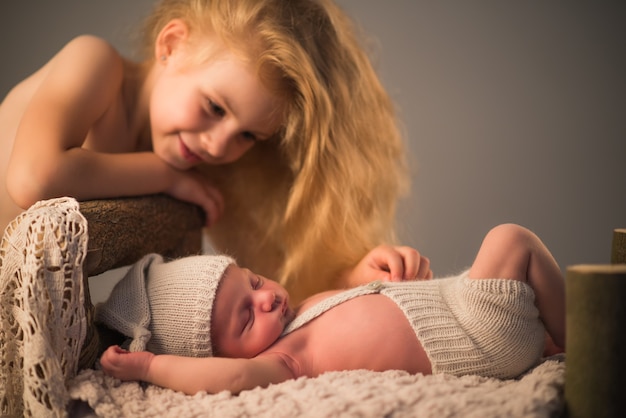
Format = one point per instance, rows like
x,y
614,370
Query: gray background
x,y
514,111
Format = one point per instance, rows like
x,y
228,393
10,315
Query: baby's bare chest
x,y
367,332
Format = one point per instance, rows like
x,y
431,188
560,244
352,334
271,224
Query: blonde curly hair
x,y
308,204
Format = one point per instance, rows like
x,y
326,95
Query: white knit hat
x,y
165,307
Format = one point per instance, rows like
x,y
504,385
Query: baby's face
x,y
249,314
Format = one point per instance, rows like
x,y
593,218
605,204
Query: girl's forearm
x,y
85,175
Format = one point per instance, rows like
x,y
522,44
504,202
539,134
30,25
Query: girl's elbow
x,y
26,187
24,197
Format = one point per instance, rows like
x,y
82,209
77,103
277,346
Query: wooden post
x,y
595,376
618,249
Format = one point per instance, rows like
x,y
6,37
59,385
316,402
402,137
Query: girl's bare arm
x,y
74,91
82,88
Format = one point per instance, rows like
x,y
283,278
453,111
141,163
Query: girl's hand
x,y
392,264
191,186
124,365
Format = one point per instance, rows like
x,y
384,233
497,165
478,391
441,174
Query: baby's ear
x,y
172,36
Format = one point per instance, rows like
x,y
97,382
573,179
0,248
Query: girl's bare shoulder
x,y
83,59
81,80
88,57
90,46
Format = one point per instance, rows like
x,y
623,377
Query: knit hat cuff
x,y
182,294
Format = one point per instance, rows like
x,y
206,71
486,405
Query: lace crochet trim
x,y
43,321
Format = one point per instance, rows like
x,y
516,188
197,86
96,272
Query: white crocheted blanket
x,y
360,393
43,323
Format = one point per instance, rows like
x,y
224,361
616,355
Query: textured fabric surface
x,y
165,307
358,393
488,327
43,323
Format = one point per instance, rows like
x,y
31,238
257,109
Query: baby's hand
x,y
392,264
124,365
191,186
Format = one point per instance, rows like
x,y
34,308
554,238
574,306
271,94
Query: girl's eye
x,y
257,283
216,109
249,136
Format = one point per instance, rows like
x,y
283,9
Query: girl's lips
x,y
187,154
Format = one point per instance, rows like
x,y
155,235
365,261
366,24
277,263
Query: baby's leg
x,y
512,252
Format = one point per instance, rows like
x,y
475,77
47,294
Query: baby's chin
x,y
274,338
289,316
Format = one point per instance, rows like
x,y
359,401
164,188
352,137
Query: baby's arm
x,y
191,375
389,263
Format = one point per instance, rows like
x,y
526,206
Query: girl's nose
x,y
215,142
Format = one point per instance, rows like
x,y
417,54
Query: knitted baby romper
x,y
488,327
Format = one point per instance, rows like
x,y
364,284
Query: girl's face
x,y
211,112
249,314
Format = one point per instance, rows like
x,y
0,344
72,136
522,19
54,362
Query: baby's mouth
x,y
288,314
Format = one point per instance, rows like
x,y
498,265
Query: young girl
x,y
235,101
490,320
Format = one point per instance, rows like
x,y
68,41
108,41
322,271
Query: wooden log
x,y
618,248
122,230
595,376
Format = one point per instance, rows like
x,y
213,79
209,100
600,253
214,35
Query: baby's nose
x,y
269,301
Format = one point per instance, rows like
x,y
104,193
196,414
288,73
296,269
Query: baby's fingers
x,y
416,266
109,360
395,266
386,260
424,272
